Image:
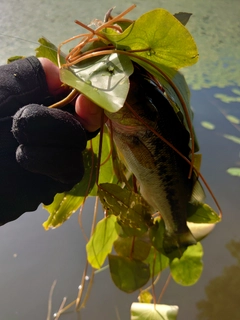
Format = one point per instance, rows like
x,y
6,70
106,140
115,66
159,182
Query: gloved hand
x,y
40,148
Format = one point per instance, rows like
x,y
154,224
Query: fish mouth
x,y
174,244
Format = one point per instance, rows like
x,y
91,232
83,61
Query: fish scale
x,y
161,173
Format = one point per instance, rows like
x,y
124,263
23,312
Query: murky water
x,y
31,259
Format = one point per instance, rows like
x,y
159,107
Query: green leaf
x,y
232,138
226,98
187,270
134,247
66,203
234,172
120,170
128,274
201,213
14,58
132,211
147,311
207,125
163,37
156,261
106,173
104,80
48,50
197,161
236,91
101,242
232,119
145,297
156,234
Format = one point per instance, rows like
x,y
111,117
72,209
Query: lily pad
x,y
147,35
188,269
128,275
133,247
234,172
147,311
232,138
104,80
207,125
232,119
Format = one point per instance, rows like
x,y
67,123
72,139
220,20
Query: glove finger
x,y
21,82
38,125
23,193
60,164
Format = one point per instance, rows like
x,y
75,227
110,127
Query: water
x,y
31,258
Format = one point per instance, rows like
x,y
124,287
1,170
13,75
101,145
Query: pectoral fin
x,y
198,194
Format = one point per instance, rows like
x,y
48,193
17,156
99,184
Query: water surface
x,y
31,258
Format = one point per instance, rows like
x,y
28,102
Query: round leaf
x,y
136,248
208,125
128,274
103,80
187,270
233,119
147,311
167,41
234,172
232,138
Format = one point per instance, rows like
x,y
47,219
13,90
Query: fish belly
x,y
161,173
159,189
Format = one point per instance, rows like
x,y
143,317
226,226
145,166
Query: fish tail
x,y
177,243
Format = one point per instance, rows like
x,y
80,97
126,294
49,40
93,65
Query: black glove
x,y
40,148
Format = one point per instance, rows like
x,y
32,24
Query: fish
x,y
161,173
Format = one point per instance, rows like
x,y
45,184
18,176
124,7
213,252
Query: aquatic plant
x,y
100,67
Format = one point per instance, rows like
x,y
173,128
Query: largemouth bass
x,y
161,173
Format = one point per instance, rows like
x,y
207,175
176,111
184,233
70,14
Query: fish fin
x,y
175,244
198,194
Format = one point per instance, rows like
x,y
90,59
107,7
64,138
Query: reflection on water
x,y
222,292
31,259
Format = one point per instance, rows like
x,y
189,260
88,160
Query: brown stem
x,y
72,95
